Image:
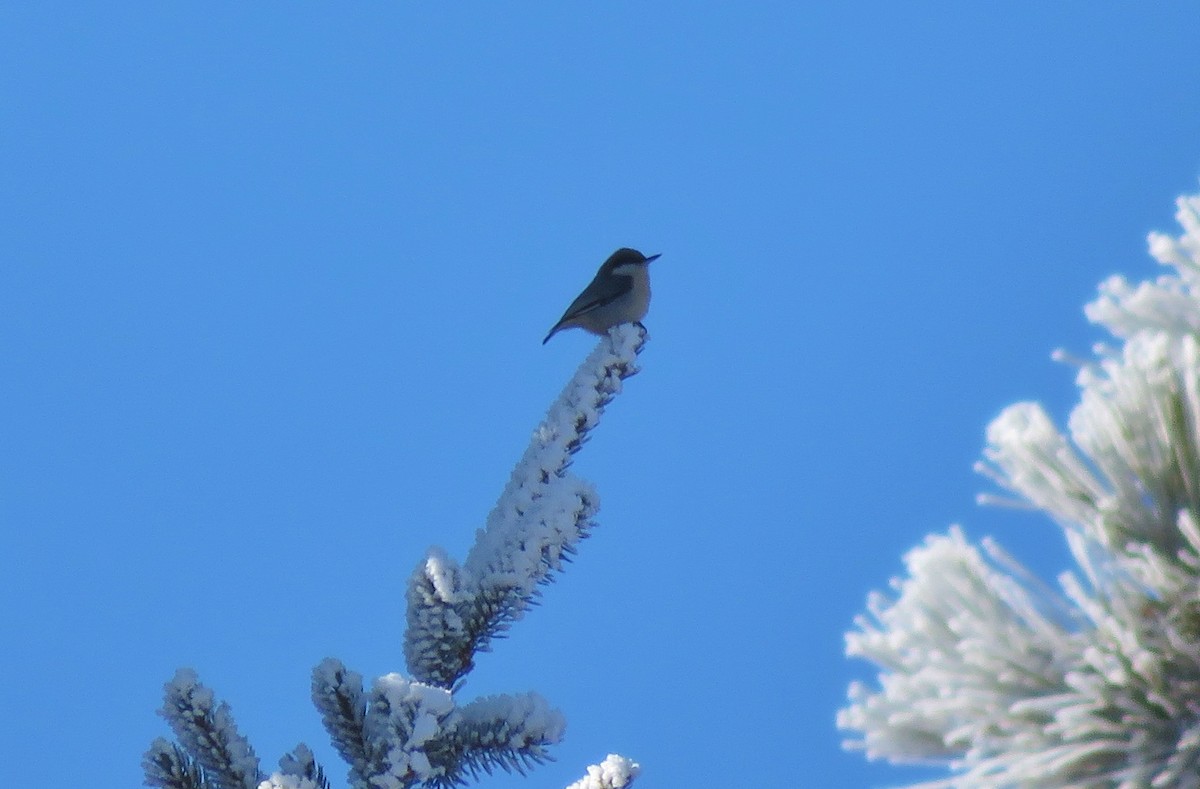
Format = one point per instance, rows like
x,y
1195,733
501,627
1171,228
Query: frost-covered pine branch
x,y
1011,683
455,611
615,772
170,767
207,734
414,731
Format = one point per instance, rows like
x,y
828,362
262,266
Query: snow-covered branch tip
x,y
408,733
1011,683
615,772
544,511
207,733
511,733
337,693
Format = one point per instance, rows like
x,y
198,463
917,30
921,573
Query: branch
x,y
338,695
168,766
208,734
615,772
543,513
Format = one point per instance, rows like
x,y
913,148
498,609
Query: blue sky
x,y
275,278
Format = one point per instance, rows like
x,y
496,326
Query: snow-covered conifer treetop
x,y
1010,683
415,731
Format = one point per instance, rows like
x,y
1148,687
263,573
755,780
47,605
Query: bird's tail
x,y
555,330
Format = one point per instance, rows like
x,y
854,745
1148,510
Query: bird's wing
x,y
593,297
598,295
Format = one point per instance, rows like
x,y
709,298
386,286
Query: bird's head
x,y
626,261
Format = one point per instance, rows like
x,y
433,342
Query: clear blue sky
x,y
275,276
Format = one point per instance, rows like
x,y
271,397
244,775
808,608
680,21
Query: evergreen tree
x,y
1012,683
415,731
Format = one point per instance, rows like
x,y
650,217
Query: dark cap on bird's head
x,y
626,257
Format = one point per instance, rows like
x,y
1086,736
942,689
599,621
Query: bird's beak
x,y
654,257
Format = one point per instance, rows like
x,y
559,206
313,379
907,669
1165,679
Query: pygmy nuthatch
x,y
620,293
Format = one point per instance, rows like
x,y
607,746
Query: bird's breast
x,y
639,296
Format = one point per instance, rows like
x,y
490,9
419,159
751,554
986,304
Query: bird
x,y
619,293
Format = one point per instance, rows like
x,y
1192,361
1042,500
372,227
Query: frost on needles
x,y
1010,682
415,731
